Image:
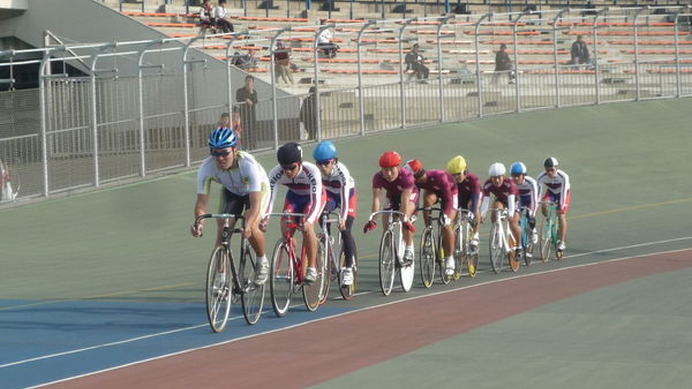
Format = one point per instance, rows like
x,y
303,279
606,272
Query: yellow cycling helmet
x,y
456,165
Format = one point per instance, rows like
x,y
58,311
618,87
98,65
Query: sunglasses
x,y
324,163
290,168
220,153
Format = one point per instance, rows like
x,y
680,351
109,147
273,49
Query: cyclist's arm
x,y
376,198
511,204
316,189
346,186
406,206
565,189
484,206
200,209
274,178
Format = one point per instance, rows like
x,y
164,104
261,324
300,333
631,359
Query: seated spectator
x,y
282,63
206,16
222,18
327,48
415,61
245,61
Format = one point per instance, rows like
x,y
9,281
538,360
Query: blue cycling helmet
x,y
325,151
222,138
518,168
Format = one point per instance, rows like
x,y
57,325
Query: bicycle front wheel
x,y
252,294
347,291
314,293
387,260
427,258
218,289
496,249
281,278
545,239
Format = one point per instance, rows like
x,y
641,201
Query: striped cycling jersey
x,y
338,185
528,194
558,185
308,182
245,176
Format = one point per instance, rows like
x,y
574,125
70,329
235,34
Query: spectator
x,y
237,125
579,52
415,61
206,16
282,63
245,61
247,97
327,48
308,113
503,64
222,18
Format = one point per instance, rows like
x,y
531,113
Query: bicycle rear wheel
x,y
526,232
329,271
347,291
281,278
512,258
218,289
545,239
314,293
387,260
252,295
496,249
427,258
441,256
459,251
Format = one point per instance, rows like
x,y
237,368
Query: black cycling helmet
x,y
289,153
550,162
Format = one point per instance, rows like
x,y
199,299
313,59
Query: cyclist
x,y
305,195
528,194
555,186
438,185
470,192
400,188
245,190
505,192
341,193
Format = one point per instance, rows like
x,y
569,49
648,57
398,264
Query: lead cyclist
x,y
555,186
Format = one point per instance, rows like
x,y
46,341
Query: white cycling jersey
x,y
246,176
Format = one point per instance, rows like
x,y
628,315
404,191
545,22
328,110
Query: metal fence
x,y
104,113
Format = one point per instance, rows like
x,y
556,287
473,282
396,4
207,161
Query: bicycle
x,y
222,286
286,274
526,228
392,254
335,263
432,254
463,234
502,242
548,231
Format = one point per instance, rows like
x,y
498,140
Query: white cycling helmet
x,y
497,169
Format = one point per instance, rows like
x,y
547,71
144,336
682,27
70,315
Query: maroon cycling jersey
x,y
396,187
502,192
442,183
470,186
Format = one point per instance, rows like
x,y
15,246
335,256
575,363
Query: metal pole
x,y
637,79
557,68
402,103
442,21
516,62
478,63
275,108
186,99
361,98
44,69
316,78
595,54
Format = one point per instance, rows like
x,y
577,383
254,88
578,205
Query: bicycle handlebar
x,y
388,212
199,218
331,217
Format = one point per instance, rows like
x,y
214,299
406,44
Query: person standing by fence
x,y
247,98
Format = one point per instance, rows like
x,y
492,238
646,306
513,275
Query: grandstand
x,y
142,84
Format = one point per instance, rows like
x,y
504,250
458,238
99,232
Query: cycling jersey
x,y
555,188
341,190
528,194
305,190
470,192
245,176
505,193
441,182
395,188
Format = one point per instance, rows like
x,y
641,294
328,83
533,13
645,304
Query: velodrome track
x,y
101,280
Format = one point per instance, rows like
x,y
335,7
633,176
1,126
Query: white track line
x,y
427,295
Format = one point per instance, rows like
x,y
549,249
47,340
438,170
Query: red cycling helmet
x,y
416,167
390,159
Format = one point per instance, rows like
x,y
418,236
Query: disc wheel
x,y
281,278
252,293
218,289
427,258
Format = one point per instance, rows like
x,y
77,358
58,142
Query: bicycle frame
x,y
548,233
296,264
330,246
464,232
432,253
500,237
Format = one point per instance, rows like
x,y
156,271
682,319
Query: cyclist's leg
x,y
562,219
348,242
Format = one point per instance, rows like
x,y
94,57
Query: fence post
x,y
442,21
516,59
595,54
558,102
44,71
637,80
361,98
315,56
275,109
478,62
186,99
402,102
